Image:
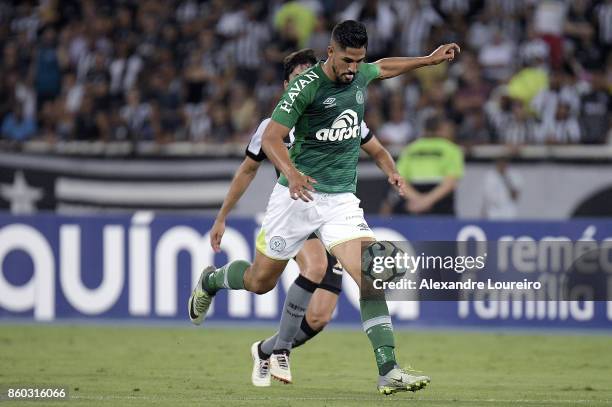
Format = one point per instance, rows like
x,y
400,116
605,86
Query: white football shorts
x,y
335,217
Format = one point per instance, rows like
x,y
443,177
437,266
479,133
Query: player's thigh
x,y
263,273
312,260
286,225
349,255
343,230
321,308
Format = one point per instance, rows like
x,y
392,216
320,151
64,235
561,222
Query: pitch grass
x,y
143,366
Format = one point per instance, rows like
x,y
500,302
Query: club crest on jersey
x,y
345,126
359,97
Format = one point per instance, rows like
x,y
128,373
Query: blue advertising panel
x,y
144,265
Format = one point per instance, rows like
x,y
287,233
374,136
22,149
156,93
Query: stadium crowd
x,y
530,72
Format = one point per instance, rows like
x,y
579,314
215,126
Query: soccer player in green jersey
x,y
315,192
320,276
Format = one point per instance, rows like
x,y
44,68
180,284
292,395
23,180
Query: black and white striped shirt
x,y
517,132
417,29
245,50
560,131
455,6
506,7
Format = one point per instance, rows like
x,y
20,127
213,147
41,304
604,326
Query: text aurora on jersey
x,y
344,127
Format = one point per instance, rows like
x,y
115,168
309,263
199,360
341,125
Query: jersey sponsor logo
x,y
277,244
329,102
344,127
295,89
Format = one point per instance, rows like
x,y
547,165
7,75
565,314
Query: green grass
x,y
144,366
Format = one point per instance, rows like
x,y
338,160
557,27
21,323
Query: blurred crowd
x,y
530,72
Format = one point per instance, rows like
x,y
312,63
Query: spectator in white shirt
x,y
397,131
498,57
502,187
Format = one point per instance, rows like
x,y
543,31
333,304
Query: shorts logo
x,y
277,244
363,226
359,97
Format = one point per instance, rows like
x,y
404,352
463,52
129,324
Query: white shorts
x,y
335,218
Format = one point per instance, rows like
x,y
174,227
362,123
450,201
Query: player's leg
x,y
346,220
259,277
286,225
377,325
320,310
321,306
312,263
318,315
323,302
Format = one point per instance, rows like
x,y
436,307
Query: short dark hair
x,y
432,124
350,33
297,58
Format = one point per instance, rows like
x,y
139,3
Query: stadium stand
x,y
159,72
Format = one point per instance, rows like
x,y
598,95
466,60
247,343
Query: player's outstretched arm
x,y
273,146
385,162
241,181
391,67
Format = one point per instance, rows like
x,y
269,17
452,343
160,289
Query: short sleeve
x,y
298,95
454,162
254,149
366,134
403,164
370,71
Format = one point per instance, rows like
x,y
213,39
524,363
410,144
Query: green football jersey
x,y
327,118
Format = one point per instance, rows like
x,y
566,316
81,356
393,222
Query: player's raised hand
x,y
300,186
443,53
216,233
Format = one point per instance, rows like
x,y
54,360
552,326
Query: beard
x,y
345,77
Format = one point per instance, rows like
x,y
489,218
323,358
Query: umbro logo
x,y
329,102
363,226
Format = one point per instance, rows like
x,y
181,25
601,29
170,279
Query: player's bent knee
x,y
315,272
318,321
261,290
263,274
260,287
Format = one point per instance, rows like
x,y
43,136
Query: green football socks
x,y
377,325
229,276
